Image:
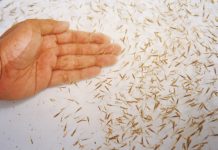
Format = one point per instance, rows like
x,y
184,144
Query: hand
x,y
36,54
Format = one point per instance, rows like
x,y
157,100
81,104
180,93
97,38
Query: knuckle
x,y
76,62
29,21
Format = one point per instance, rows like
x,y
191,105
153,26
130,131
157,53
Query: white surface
x,y
162,37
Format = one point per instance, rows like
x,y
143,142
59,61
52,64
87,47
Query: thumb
x,y
19,46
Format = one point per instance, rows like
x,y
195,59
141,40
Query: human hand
x,y
36,54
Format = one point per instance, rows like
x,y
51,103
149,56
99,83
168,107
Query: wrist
x,y
1,87
0,68
1,65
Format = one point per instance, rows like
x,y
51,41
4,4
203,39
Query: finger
x,y
48,41
67,77
82,37
89,49
49,26
70,62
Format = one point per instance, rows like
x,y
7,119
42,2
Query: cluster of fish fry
x,y
163,92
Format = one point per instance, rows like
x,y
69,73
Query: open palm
x,y
36,54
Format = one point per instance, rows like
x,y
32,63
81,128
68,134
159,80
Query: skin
x,y
36,54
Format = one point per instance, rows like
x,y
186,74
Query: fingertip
x,y
96,70
92,72
101,38
107,39
117,49
64,24
61,26
113,49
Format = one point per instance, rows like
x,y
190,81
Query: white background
x,y
161,40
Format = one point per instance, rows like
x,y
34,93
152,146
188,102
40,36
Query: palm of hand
x,y
37,54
